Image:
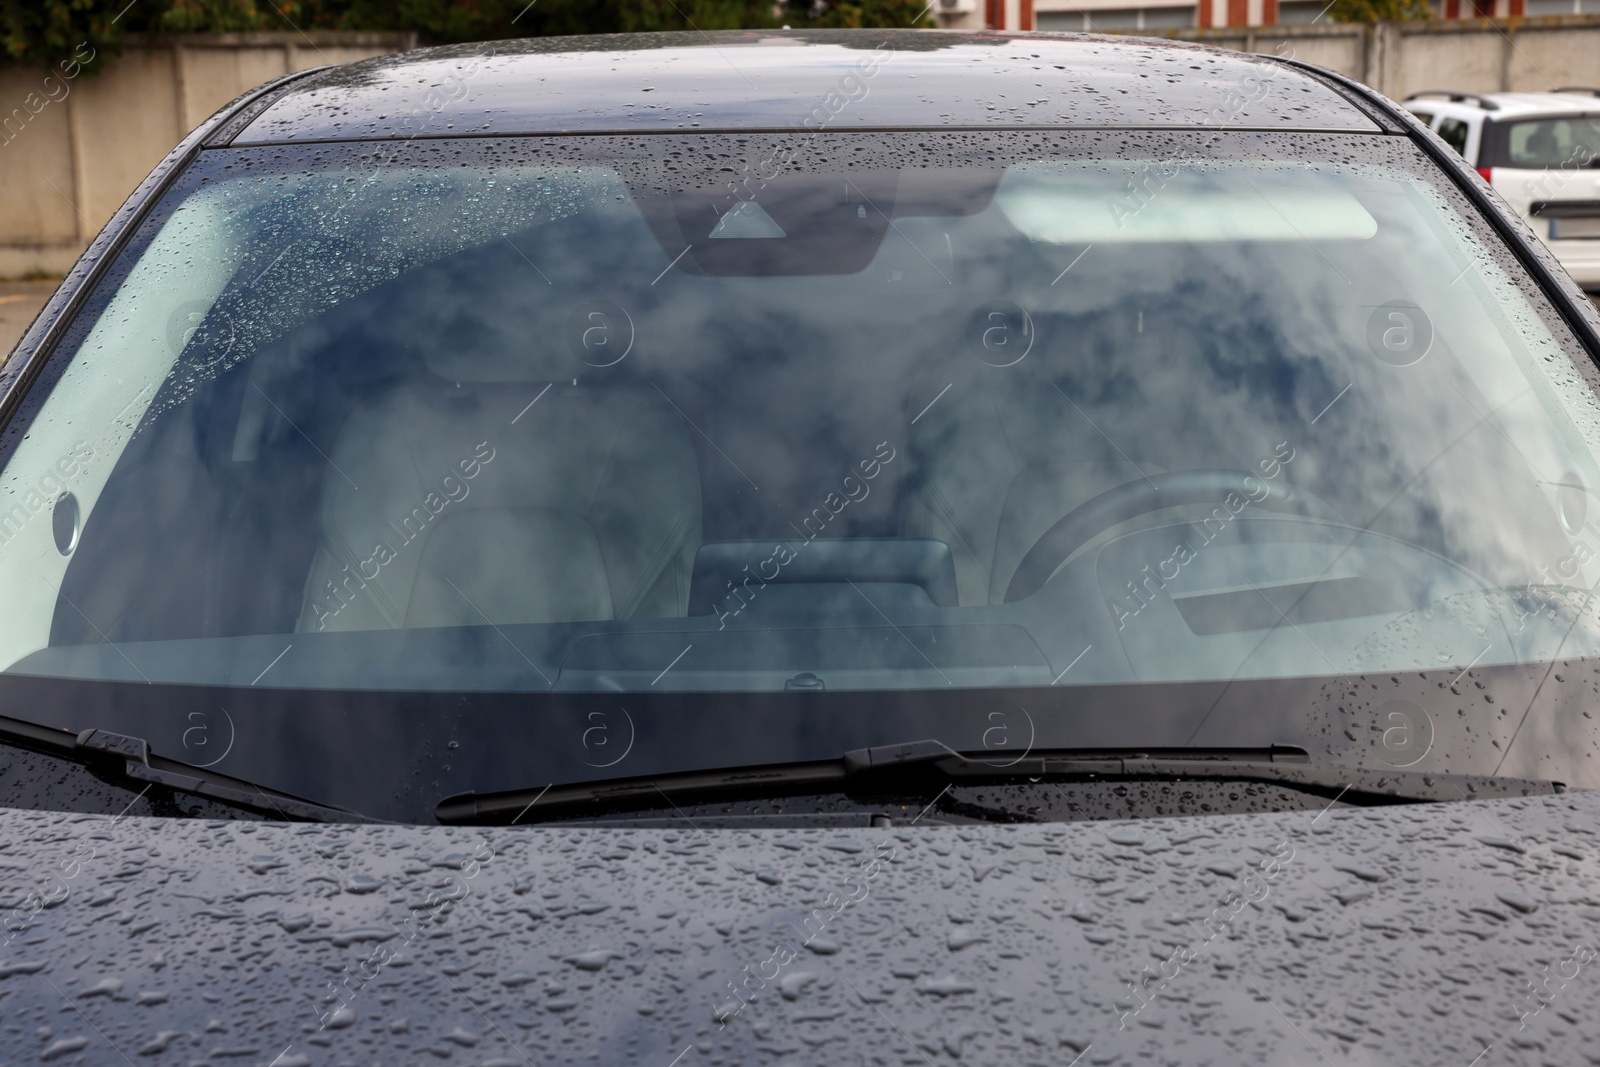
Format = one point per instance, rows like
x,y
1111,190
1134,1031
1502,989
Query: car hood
x,y
1402,935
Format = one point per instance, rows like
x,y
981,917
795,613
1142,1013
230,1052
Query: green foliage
x,y
1381,10
440,21
48,32
859,14
222,16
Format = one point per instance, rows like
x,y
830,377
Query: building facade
x,y
1135,15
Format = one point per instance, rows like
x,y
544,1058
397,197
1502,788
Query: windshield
x,y
470,464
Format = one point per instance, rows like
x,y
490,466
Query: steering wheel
x,y
1154,493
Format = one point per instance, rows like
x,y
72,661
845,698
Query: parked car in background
x,y
882,548
1541,151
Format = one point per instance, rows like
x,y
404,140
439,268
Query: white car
x,y
1541,151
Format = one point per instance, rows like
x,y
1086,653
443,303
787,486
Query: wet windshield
x,y
806,445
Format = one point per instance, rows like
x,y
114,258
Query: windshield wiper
x,y
129,761
913,767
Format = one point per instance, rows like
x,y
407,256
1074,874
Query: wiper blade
x,y
130,760
915,766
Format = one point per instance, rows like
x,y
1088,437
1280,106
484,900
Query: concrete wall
x,y
72,147
1467,55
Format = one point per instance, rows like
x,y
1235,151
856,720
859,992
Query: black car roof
x,y
800,80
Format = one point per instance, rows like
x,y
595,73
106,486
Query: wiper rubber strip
x,y
891,767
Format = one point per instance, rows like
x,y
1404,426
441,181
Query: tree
x,y
858,13
52,32
1381,10
47,32
440,21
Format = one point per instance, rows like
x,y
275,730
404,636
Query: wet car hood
x,y
1402,935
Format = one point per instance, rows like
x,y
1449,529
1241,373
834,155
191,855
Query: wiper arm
x,y
130,760
914,766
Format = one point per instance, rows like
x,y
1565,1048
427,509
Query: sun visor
x,y
1072,204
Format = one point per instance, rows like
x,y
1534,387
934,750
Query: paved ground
x,y
19,303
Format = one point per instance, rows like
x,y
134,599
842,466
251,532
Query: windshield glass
x,y
805,445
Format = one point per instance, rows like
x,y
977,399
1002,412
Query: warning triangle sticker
x,y
747,219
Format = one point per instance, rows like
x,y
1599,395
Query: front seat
x,y
450,501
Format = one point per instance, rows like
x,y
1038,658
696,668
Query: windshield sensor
x,y
916,766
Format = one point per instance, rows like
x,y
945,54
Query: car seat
x,y
507,487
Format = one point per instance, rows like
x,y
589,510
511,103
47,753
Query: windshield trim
x,y
743,131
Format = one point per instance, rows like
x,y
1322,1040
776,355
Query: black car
x,y
856,547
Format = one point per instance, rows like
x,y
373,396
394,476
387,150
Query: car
x,y
866,546
1541,151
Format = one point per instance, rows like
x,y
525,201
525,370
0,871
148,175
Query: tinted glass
x,y
1454,132
1570,142
669,424
1301,12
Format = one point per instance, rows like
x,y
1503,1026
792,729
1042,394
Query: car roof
x,y
1509,105
799,80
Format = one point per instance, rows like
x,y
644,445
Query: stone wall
x,y
73,146
1465,55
